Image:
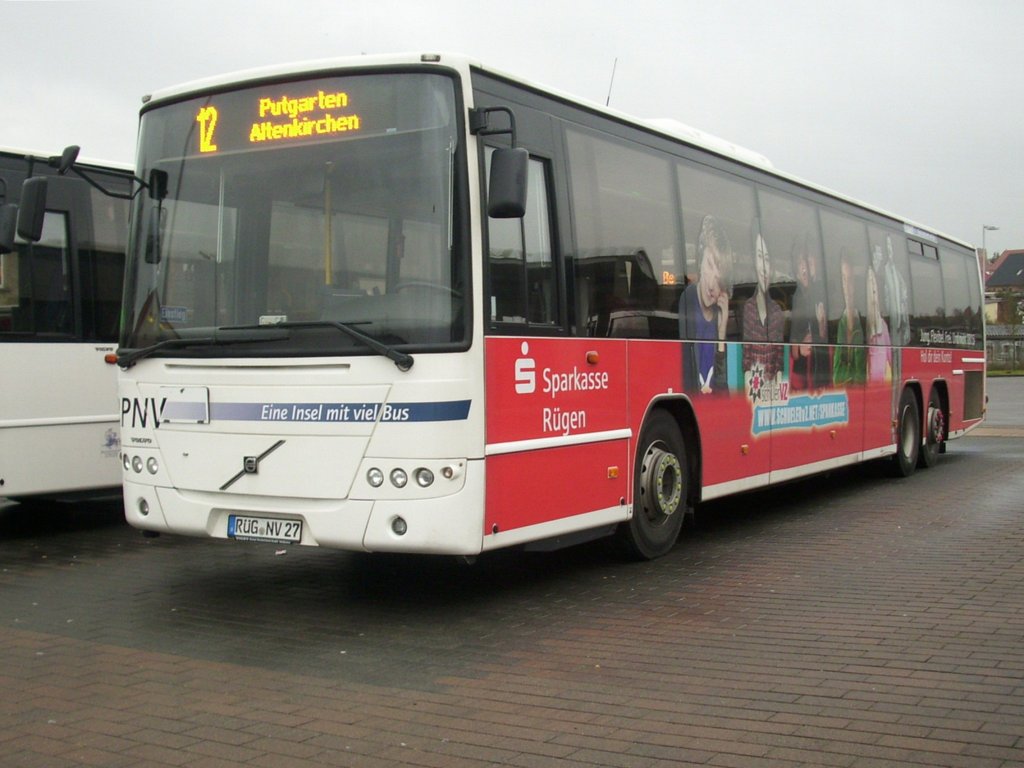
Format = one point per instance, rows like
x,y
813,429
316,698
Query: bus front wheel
x,y
660,489
908,436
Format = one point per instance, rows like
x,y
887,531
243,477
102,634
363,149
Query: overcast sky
x,y
916,106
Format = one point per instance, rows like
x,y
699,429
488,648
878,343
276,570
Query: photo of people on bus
x,y
811,366
704,312
879,350
763,320
848,364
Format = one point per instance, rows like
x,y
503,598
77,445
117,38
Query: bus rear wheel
x,y
934,432
908,435
660,490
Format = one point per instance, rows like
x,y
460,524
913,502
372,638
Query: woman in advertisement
x,y
704,312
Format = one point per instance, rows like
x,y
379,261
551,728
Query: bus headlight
x,y
399,478
127,461
424,477
375,477
137,463
152,465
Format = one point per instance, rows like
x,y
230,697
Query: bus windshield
x,y
303,205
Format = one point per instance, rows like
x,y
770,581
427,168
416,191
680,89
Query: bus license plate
x,y
272,529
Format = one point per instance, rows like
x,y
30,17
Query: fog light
x,y
399,478
399,526
375,477
143,507
127,461
152,465
137,463
424,477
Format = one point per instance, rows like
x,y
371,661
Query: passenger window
x,y
35,283
892,274
928,313
523,288
101,263
791,236
628,272
720,231
847,263
958,290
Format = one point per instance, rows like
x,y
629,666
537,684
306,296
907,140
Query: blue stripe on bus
x,y
342,413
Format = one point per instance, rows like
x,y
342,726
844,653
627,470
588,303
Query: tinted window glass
x,y
847,260
720,232
892,274
35,283
791,230
522,270
928,312
957,289
627,261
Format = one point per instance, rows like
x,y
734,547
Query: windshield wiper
x,y
240,335
401,360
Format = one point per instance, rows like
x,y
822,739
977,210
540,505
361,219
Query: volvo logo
x,y
251,465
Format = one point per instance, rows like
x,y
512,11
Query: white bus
x,y
412,304
60,307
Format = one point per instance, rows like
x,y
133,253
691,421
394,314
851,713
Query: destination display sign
x,y
303,111
279,117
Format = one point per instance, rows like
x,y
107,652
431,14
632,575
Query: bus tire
x,y
934,432
908,435
660,489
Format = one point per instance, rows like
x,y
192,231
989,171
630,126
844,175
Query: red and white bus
x,y
357,317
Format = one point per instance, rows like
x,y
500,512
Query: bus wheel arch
x,y
936,425
908,432
662,484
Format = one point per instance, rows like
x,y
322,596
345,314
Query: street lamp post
x,y
985,229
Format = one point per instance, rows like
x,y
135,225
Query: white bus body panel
x,y
308,456
58,419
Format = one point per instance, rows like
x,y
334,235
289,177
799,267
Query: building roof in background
x,y
1007,271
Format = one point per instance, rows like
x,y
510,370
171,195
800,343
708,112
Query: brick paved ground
x,y
849,621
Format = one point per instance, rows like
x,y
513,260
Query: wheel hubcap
x,y
661,484
936,425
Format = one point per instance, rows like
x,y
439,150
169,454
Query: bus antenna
x,y
611,82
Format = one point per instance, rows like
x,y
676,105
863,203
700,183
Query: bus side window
x,y
627,263
101,263
35,283
522,268
929,310
719,213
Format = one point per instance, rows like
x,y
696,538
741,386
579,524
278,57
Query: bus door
x,y
557,442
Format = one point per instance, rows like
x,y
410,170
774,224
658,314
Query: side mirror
x,y
32,208
506,197
8,223
67,159
157,184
